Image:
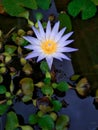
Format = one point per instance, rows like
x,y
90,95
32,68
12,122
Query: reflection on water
x,y
82,113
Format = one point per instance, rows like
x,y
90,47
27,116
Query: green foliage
x,y
12,121
62,122
33,119
47,90
10,49
26,127
65,21
62,86
44,67
57,105
86,7
95,2
46,122
17,7
3,108
43,4
2,89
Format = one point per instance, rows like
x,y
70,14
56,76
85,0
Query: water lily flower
x,y
49,44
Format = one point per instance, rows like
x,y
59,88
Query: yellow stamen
x,y
49,46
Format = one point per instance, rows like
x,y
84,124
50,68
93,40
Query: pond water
x,y
82,112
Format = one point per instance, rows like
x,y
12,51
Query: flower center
x,y
49,46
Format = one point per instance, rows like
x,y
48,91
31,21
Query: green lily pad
x,y
16,7
86,7
65,21
43,4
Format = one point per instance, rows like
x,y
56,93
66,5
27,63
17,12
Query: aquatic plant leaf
x,y
75,77
27,86
26,127
2,89
62,86
57,105
65,21
43,4
1,78
27,98
27,69
33,119
86,7
3,108
16,7
62,122
95,2
46,122
83,87
10,49
44,67
11,121
47,90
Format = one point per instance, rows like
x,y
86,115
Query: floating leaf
x,y
27,86
44,104
43,4
44,67
83,87
57,105
95,2
75,77
33,119
16,7
47,90
46,122
2,89
62,86
27,69
62,122
87,7
3,108
11,121
26,127
27,98
65,21
10,49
